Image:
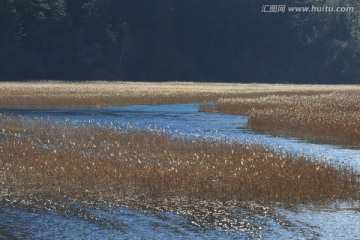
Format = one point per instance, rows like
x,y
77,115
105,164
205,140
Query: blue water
x,y
183,120
111,223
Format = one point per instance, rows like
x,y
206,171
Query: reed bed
x,y
90,162
331,117
98,94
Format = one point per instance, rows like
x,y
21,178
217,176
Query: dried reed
x,y
92,162
97,94
332,117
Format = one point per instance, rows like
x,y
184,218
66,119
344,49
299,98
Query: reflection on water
x,y
176,219
180,219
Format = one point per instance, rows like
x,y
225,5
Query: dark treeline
x,y
183,40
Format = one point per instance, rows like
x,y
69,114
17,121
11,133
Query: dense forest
x,y
178,40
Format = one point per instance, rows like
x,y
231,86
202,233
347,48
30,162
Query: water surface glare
x,y
109,222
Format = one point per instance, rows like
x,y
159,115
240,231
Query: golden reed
x,y
332,117
91,162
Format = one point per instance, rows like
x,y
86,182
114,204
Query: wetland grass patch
x,y
90,162
55,94
332,117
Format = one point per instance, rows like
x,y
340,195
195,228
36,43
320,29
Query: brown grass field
x,y
97,94
53,160
331,117
325,113
56,160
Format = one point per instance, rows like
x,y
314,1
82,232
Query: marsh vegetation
x,y
57,94
94,163
331,117
53,160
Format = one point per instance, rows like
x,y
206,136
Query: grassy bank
x,y
331,117
89,162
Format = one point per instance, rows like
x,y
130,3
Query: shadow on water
x,y
141,218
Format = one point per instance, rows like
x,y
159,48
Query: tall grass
x,y
91,162
332,117
98,94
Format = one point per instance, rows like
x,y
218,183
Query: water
x,y
118,223
111,222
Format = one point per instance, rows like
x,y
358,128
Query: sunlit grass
x,y
332,117
97,94
91,162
